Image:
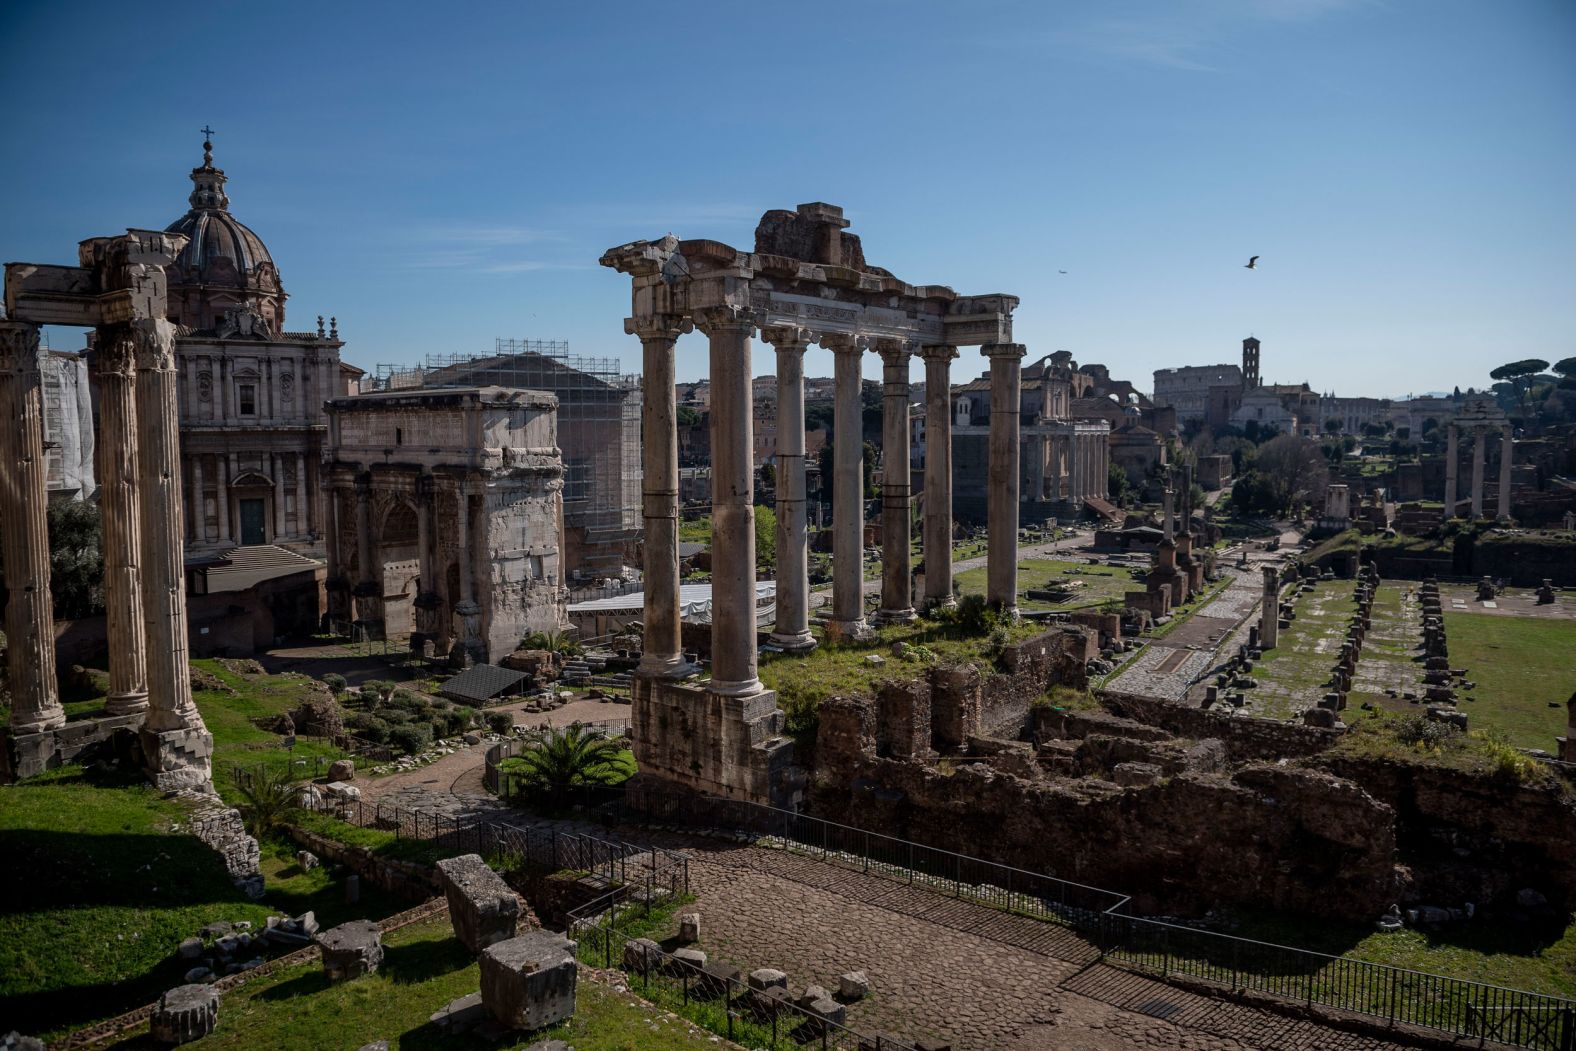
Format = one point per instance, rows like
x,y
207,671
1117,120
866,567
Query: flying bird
x,y
1252,264
1061,271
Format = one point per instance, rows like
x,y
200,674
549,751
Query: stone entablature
x,y
446,515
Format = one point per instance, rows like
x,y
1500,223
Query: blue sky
x,y
440,174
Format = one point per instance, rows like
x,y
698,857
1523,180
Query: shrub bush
x,y
335,683
467,716
453,720
369,726
501,722
411,738
1423,732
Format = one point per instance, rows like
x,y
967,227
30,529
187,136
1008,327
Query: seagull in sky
x,y
1252,264
1061,271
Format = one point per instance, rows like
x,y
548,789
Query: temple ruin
x,y
1480,418
119,289
806,281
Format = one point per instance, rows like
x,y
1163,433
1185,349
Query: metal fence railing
x,y
1376,991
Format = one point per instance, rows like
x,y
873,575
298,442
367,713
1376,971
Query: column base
x,y
895,616
849,631
794,642
1006,611
740,688
178,760
664,666
132,703
941,603
45,724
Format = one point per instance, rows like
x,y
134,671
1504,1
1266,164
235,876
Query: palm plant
x,y
552,641
560,761
268,798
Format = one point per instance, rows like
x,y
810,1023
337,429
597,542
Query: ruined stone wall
x,y
521,586
689,739
1245,738
1267,836
1472,837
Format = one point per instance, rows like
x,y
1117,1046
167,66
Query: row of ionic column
x,y
733,547
140,506
1479,458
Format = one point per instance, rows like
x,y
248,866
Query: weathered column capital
x,y
1012,351
942,352
788,337
154,340
894,351
658,326
114,350
727,316
18,344
844,342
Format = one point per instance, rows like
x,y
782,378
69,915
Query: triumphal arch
x,y
806,281
118,288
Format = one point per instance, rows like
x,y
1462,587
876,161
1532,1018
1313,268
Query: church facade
x,y
252,393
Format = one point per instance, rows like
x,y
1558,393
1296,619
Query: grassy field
x,y
424,968
1292,676
237,739
1100,583
1521,666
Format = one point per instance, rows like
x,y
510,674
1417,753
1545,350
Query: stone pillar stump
x,y
528,982
351,950
482,907
184,1014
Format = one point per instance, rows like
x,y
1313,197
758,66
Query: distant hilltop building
x,y
1187,389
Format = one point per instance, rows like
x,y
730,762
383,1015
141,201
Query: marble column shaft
x,y
792,630
114,369
198,503
662,650
29,612
1269,613
848,496
1478,441
938,473
222,464
1006,364
170,705
733,618
302,526
1451,455
897,588
1506,460
281,525
1167,513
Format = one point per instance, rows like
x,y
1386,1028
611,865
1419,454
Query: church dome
x,y
224,266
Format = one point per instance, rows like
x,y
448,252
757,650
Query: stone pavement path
x,y
939,966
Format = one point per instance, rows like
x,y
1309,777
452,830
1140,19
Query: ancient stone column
x,y
1036,469
114,369
938,474
29,612
468,609
1074,473
1166,514
1506,460
277,465
176,744
1269,612
1479,439
1006,363
222,464
302,527
792,630
368,591
897,598
848,497
427,600
1450,470
199,505
733,622
662,650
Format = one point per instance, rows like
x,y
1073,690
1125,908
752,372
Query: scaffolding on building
x,y
598,431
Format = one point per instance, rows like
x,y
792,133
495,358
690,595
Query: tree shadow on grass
x,y
422,961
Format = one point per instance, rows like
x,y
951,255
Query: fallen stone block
x,y
342,770
766,1004
684,961
689,927
184,1014
528,982
191,949
306,860
642,955
716,979
811,994
482,907
853,986
767,978
351,950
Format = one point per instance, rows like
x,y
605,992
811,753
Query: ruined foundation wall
x,y
690,740
1245,738
1268,836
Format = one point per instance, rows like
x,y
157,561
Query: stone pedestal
x,y
482,906
529,982
351,950
184,1014
938,474
692,739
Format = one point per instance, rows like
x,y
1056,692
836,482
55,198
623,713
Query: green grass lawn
x,y
1521,665
1100,583
1294,674
424,967
238,740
